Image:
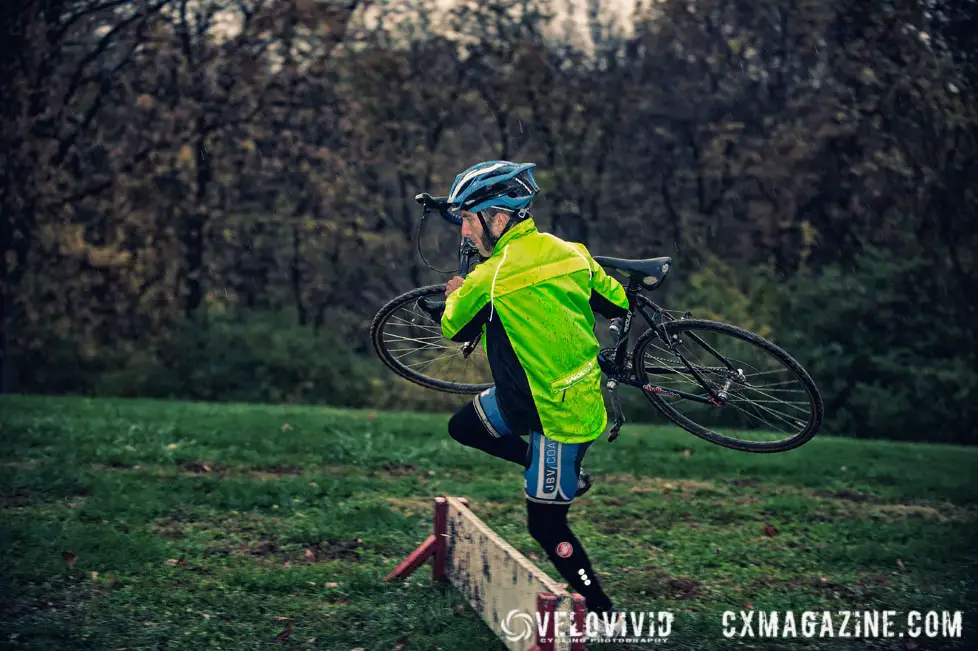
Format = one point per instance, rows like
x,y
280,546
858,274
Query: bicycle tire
x,y
681,325
393,362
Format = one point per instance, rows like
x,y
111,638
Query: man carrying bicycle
x,y
532,301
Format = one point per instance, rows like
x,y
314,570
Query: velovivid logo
x,y
623,626
518,626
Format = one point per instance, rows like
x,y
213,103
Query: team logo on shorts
x,y
565,549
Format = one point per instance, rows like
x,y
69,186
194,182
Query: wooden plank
x,y
496,579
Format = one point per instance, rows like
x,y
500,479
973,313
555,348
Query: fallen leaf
x,y
843,468
130,448
823,579
172,446
748,605
286,427
284,619
686,453
459,608
770,531
372,415
901,565
332,584
309,554
359,648
313,484
69,558
94,576
205,467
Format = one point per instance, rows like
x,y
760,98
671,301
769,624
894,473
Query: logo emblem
x,y
565,549
517,621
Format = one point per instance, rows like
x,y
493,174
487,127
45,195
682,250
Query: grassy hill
x,y
165,525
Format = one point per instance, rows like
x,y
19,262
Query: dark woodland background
x,y
209,199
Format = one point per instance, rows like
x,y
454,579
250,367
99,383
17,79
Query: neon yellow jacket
x,y
539,287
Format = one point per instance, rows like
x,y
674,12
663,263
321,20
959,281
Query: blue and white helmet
x,y
494,184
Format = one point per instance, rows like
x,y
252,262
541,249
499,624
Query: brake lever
x,y
465,250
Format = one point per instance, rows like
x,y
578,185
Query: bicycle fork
x,y
619,328
612,385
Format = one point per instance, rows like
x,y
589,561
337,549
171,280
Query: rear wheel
x,y
409,341
768,402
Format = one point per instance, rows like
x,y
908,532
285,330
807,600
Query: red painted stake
x,y
546,611
433,547
441,539
580,613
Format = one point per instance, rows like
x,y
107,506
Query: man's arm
x,y
466,310
473,328
604,307
608,297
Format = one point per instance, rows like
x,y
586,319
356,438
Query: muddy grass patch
x,y
656,583
119,467
847,495
894,512
254,536
665,486
299,554
203,468
410,506
864,591
183,525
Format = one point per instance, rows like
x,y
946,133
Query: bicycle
x,y
716,390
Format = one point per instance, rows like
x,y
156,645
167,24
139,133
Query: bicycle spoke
x,y
418,339
430,361
774,400
765,400
412,342
766,422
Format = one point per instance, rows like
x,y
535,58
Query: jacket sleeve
x,y
464,313
608,297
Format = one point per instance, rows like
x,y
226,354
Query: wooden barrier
x,y
503,586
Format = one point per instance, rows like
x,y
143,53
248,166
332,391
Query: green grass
x,y
197,526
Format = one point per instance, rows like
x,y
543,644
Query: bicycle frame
x,y
655,316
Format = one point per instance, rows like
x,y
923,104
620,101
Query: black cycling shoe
x,y
583,483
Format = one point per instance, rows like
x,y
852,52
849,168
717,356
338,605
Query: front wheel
x,y
407,336
762,398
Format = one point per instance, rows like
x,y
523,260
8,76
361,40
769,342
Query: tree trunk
x,y
296,277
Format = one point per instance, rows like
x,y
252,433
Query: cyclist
x,y
533,301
